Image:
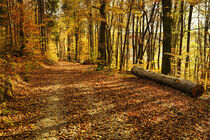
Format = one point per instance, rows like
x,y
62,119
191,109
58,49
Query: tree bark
x,y
136,41
186,86
167,36
76,45
9,27
122,60
181,37
90,22
102,33
117,47
134,37
206,38
69,47
187,65
40,22
159,42
21,32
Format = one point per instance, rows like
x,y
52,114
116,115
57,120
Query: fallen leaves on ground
x,y
99,105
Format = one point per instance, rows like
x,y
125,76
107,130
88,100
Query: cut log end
x,y
197,91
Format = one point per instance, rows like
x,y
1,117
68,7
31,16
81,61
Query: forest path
x,y
73,101
48,82
89,104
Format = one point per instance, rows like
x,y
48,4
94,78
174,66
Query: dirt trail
x,y
81,103
47,126
52,118
88,104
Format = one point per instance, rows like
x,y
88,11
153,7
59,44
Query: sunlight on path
x,y
97,106
48,125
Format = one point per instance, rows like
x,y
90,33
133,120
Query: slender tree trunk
x,y
141,45
9,27
122,63
90,22
117,47
76,45
154,45
159,46
199,49
187,64
181,37
148,48
91,37
108,39
69,47
153,39
22,38
127,52
141,42
35,14
112,44
174,38
121,40
136,42
40,22
133,37
96,38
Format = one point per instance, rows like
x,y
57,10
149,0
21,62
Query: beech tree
x,y
167,35
102,32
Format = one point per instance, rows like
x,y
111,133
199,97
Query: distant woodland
x,y
166,36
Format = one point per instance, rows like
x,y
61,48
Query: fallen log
x,y
183,85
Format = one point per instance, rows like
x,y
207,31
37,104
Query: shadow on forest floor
x,y
95,105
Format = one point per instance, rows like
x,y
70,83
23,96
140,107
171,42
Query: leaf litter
x,y
73,101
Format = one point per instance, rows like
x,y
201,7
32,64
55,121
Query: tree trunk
x,y
90,22
187,64
144,32
167,35
159,43
109,45
21,32
127,52
181,37
117,47
206,40
199,49
91,38
136,41
154,46
40,22
139,53
76,46
69,47
133,37
9,27
174,37
183,85
102,33
122,61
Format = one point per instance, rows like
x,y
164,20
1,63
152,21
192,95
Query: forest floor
x,y
73,101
